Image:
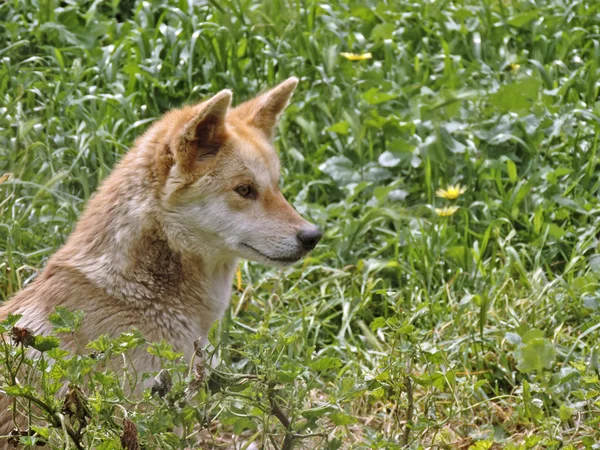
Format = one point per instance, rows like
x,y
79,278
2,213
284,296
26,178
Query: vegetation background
x,y
468,318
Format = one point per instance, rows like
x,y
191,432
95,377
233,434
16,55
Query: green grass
x,y
403,328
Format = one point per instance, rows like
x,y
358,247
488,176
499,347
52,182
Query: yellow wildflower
x,y
356,57
451,192
238,275
446,211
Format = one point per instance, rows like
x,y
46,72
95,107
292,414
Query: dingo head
x,y
220,178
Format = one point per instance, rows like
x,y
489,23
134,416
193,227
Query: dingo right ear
x,y
204,132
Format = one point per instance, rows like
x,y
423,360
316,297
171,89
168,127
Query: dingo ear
x,y
263,111
204,132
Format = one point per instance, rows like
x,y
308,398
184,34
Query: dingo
x,y
157,246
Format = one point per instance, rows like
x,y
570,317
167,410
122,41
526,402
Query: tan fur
x,y
157,245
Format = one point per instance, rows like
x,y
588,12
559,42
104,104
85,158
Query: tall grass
x,y
405,327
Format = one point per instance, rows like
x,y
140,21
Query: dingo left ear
x,y
263,111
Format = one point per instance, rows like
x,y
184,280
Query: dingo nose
x,y
310,237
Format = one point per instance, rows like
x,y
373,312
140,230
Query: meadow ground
x,y
425,318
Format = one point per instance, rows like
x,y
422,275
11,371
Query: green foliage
x,y
419,321
535,353
64,321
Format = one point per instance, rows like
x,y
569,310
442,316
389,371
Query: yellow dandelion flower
x,y
451,192
356,57
446,211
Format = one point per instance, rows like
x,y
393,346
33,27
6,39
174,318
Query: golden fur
x,y
157,246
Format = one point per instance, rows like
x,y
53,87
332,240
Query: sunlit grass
x,y
399,316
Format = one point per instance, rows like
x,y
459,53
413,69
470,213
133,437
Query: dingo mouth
x,y
287,260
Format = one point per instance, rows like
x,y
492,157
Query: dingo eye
x,y
246,191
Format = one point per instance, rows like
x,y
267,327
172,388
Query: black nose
x,y
310,237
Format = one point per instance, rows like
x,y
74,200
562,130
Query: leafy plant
x,y
422,319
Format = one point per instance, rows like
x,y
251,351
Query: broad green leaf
x,y
65,321
565,413
482,445
10,321
316,412
383,31
524,18
341,419
325,363
163,349
534,333
18,390
45,343
339,128
374,97
516,97
113,444
379,322
535,355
